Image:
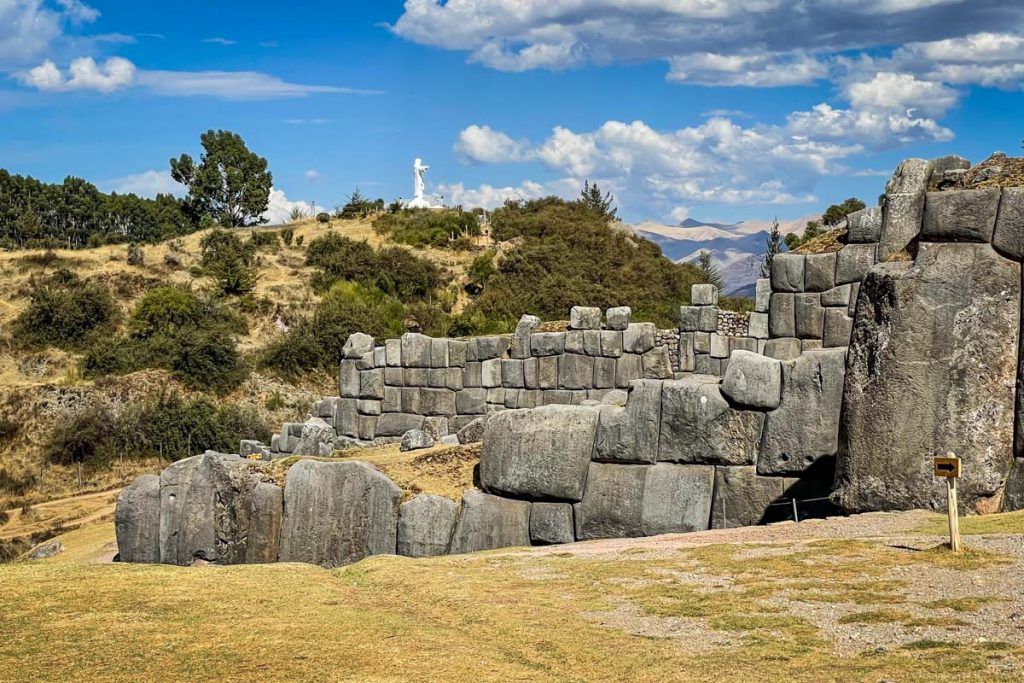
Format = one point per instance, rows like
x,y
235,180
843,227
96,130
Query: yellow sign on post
x,y
948,467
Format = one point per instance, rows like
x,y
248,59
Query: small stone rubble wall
x,y
855,368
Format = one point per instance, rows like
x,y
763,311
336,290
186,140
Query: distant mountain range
x,y
736,249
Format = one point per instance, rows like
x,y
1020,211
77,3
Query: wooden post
x,y
954,516
949,468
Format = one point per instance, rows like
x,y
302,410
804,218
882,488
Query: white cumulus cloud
x,y
147,184
482,145
280,207
83,74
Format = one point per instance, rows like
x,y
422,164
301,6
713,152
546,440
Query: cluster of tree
x,y
75,214
569,255
830,220
359,206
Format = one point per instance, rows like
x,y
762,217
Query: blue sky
x,y
713,109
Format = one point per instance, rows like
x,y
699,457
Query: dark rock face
x,y
1013,499
541,453
425,525
644,500
487,522
336,513
265,524
551,523
205,505
932,370
805,427
742,498
137,520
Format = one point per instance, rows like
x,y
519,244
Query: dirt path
x,y
71,512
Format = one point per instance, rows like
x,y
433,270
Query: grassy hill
x,y
861,599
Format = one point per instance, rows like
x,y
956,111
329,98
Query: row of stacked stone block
x,y
443,385
680,455
704,347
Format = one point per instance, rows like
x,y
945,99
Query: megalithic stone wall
x,y
864,362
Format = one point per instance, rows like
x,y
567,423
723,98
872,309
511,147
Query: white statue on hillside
x,y
419,186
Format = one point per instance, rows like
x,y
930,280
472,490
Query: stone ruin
x,y
855,369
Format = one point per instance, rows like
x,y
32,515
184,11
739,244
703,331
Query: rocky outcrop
x,y
336,513
137,520
933,363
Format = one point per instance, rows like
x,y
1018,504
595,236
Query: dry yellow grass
x,y
1001,523
499,616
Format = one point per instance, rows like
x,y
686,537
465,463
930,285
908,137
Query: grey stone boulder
x,y
137,520
902,216
416,350
837,296
416,439
933,368
487,522
742,498
805,427
788,273
1008,237
618,318
820,272
719,345
337,513
547,343
753,380
472,432
838,327
357,345
317,438
539,453
265,524
785,348
704,295
551,523
643,500
521,337
762,294
698,426
397,424
576,371
638,338
853,262
657,364
864,226
782,315
251,449
960,215
809,315
425,525
631,434
912,175
585,318
1013,496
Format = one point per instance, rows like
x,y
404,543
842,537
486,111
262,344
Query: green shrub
x,y
265,239
64,311
393,270
83,439
208,360
448,229
294,353
323,217
229,261
287,235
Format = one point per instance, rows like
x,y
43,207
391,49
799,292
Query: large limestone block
x,y
838,327
397,424
643,500
902,216
205,507
1013,497
137,520
585,318
638,338
704,295
782,315
416,350
521,337
547,343
551,523
699,426
357,345
762,294
425,525
618,317
576,371
487,522
853,262
742,498
820,272
657,364
753,380
864,226
810,316
265,524
912,175
631,434
788,273
960,215
805,427
317,438
1008,238
933,365
540,453
336,513
785,348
